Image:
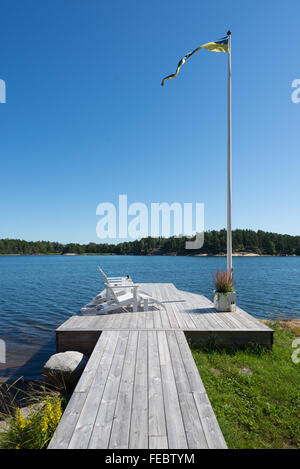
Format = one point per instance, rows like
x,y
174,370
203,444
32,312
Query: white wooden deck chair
x,y
108,300
115,280
132,296
105,295
117,298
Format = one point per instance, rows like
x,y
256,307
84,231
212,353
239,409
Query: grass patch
x,y
255,393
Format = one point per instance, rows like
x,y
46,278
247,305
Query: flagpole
x,y
229,234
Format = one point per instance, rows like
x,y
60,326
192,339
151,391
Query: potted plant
x,y
224,294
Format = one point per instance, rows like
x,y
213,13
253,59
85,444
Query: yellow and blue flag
x,y
218,46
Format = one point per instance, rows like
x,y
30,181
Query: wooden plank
x,y
98,365
225,320
103,423
207,315
119,437
248,321
194,378
230,319
220,322
175,426
181,378
133,321
178,314
157,319
158,442
125,321
138,437
114,322
199,321
67,424
66,324
90,369
181,306
141,322
259,324
147,288
84,427
192,423
157,420
149,320
165,319
178,321
164,294
98,322
192,320
111,317
242,319
212,431
75,323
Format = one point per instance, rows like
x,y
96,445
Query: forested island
x,y
246,241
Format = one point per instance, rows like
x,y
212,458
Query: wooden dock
x,y
141,387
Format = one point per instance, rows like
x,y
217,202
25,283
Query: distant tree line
x,y
258,242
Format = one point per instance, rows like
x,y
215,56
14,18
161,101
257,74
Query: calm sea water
x,y
38,293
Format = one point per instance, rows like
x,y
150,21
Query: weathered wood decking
x,y
141,387
194,314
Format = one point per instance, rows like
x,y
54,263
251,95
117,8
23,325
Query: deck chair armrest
x,y
133,285
116,278
117,282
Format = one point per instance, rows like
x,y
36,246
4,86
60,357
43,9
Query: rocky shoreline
x,y
243,254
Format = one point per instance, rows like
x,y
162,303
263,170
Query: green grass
x,y
260,409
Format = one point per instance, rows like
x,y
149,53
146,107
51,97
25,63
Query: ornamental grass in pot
x,y
224,294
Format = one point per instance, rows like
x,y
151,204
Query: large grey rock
x,y
64,368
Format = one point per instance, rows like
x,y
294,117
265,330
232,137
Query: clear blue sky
x,y
86,118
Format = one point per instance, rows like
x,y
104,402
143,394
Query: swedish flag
x,y
218,46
